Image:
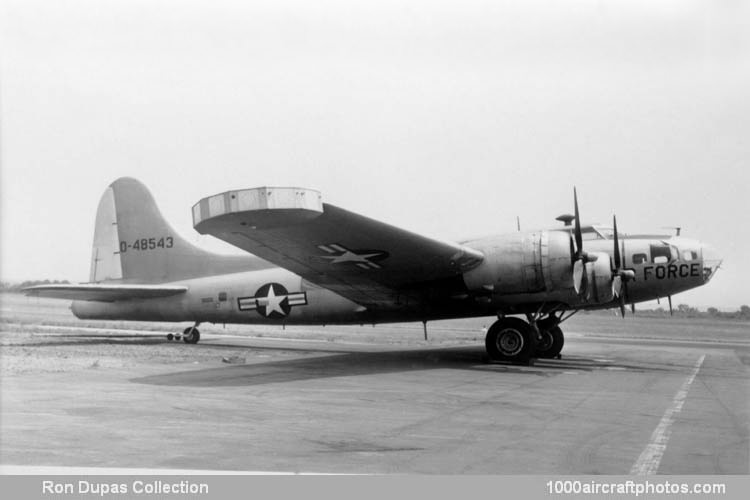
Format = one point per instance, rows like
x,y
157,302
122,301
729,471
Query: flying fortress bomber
x,y
315,263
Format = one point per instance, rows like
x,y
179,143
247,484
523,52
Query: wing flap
x,y
102,292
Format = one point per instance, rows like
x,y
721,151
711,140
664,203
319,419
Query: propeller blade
x,y
577,228
573,253
578,275
618,257
585,288
621,277
616,285
671,312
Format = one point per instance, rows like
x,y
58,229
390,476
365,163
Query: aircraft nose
x,y
711,261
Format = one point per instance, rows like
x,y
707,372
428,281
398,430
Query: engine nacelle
x,y
525,262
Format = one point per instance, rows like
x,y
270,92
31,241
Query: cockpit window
x,y
660,254
605,232
674,252
596,233
590,235
639,258
689,255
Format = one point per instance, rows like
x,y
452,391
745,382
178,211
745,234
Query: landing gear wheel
x,y
551,343
170,337
191,335
510,339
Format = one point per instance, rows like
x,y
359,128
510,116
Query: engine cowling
x,y
524,262
534,262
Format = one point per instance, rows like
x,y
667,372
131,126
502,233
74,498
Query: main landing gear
x,y
519,341
510,339
190,335
551,338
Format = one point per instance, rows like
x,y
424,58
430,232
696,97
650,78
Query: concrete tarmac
x,y
296,405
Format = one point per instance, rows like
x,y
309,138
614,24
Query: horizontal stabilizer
x,y
103,293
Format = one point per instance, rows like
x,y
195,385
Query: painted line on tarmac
x,y
648,462
592,337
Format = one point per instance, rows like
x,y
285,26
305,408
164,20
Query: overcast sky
x,y
447,118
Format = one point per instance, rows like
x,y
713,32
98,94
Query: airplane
x,y
310,262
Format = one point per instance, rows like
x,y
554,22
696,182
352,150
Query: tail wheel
x,y
191,335
510,339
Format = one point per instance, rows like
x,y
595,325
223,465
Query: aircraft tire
x,y
191,335
510,339
170,337
551,344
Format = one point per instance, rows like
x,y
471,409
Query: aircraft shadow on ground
x,y
348,364
74,340
148,340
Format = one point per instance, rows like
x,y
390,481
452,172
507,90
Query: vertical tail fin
x,y
133,242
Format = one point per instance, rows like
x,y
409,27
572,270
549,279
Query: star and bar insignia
x,y
364,259
273,301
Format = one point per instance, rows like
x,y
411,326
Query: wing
x,y
370,262
103,293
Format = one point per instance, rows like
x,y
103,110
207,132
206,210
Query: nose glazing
x,y
711,261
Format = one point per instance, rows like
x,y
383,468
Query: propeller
x,y
579,256
620,275
577,228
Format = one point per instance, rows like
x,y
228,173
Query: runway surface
x,y
637,395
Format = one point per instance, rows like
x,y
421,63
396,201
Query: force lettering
x,y
672,271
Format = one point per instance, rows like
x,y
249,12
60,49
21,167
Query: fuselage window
x,y
660,254
222,296
639,258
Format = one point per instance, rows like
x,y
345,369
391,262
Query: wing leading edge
x,y
370,262
103,293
